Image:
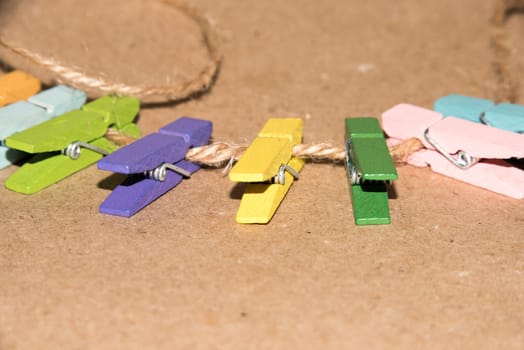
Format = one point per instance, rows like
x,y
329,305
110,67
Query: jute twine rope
x,y
163,93
220,153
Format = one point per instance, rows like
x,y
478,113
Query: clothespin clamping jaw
x,y
505,116
37,109
370,168
269,169
17,86
155,164
70,142
467,151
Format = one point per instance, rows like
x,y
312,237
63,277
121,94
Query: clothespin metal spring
x,y
482,118
463,160
160,173
280,177
354,175
73,150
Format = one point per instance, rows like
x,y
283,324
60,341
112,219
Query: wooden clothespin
x,y
155,164
17,86
37,109
269,169
70,142
459,148
505,116
369,167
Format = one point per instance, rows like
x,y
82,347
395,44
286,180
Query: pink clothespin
x,y
461,149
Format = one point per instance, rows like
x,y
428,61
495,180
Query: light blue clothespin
x,y
37,109
505,116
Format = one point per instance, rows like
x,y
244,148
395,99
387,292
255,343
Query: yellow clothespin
x,y
269,168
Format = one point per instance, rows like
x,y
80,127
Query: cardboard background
x,y
448,272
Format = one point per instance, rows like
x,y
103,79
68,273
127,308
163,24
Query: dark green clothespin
x,y
369,167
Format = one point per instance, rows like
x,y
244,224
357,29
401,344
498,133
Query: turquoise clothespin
x,y
37,109
505,116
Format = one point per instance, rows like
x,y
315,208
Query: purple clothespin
x,y
155,163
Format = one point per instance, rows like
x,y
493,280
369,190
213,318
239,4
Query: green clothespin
x,y
369,167
70,142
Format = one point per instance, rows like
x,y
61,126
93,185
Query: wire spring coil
x,y
73,150
160,172
280,177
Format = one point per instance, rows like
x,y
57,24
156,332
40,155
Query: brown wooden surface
x,y
447,273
